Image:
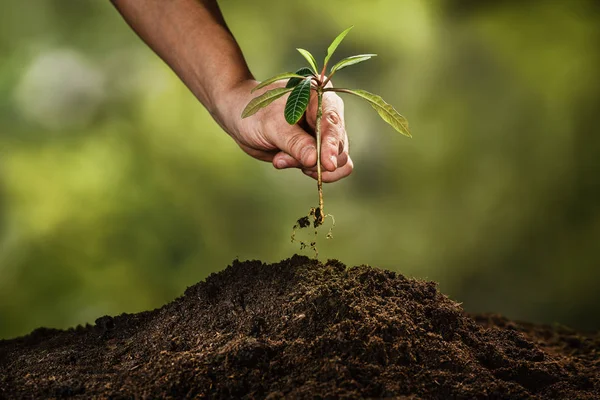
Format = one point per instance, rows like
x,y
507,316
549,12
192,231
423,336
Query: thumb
x,y
283,160
298,144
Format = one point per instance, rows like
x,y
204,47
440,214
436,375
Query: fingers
x,y
334,176
294,147
334,143
332,138
334,153
344,156
283,160
342,159
297,145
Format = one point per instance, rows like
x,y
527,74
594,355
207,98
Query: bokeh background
x,y
117,190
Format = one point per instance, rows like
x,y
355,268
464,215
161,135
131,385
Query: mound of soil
x,y
302,329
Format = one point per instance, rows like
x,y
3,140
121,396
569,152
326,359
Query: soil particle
x,y
302,329
303,222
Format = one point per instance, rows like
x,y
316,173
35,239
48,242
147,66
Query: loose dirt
x,y
302,329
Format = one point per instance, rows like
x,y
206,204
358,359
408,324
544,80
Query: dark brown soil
x,y
301,329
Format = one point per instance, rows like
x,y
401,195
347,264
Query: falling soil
x,y
302,329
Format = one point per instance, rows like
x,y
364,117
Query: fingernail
x,y
281,164
334,161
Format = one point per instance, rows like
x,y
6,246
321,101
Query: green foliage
x,y
385,110
334,45
348,61
264,100
311,60
276,78
304,71
297,102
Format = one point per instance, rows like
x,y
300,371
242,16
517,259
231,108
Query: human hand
x,y
268,137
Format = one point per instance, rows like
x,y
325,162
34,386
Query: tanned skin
x,y
191,36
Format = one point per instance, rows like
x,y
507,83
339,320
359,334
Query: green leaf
x,y
263,100
304,71
334,45
297,102
385,110
276,78
311,60
348,61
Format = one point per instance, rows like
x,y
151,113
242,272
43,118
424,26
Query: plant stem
x,y
321,215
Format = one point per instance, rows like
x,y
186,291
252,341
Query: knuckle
x,y
300,146
332,141
263,142
295,143
333,117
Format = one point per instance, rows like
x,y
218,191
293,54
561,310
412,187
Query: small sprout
x,y
299,86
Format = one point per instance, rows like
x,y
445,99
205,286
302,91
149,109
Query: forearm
x,y
192,38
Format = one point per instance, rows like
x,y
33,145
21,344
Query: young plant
x,y
312,79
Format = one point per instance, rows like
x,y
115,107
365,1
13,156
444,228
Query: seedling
x,y
300,85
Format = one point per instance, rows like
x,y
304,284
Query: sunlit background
x,y
117,189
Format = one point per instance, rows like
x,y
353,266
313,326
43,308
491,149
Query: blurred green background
x,y
117,189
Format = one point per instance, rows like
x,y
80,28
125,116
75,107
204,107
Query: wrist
x,y
229,103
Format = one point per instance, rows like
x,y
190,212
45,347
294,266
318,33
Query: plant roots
x,y
318,219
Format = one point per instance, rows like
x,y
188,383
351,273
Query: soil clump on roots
x,y
303,329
